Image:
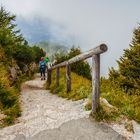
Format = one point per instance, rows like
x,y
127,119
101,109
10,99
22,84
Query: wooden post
x,y
95,83
68,77
49,77
57,76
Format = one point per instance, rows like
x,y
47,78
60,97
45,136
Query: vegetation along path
x,y
47,116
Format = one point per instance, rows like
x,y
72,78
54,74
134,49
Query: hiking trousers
x,y
42,72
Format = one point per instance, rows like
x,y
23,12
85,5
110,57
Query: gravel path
x,y
41,111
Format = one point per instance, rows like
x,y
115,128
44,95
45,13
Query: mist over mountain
x,y
39,32
52,48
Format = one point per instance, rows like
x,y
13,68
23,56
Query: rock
x,y
25,69
136,128
33,67
104,101
2,116
13,74
81,129
18,69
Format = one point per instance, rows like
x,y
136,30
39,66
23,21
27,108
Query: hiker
x,y
42,67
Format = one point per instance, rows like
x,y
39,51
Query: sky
x,y
84,23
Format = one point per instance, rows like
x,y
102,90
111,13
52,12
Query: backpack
x,y
42,64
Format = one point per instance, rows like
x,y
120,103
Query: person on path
x,y
42,68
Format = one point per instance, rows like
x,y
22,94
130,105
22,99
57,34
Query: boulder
x,y
13,74
25,69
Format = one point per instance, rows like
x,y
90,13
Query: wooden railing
x,y
95,54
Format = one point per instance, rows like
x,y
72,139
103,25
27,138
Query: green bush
x,y
8,120
23,54
9,104
7,99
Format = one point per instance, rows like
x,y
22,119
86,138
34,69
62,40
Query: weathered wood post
x,y
68,77
57,76
49,77
95,83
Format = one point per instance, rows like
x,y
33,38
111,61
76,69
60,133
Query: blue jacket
x,y
42,64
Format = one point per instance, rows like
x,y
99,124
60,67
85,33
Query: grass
x,y
81,87
106,114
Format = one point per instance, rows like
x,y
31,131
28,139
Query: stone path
x,y
41,111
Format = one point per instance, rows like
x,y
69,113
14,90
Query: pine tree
x,y
8,33
10,37
129,66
